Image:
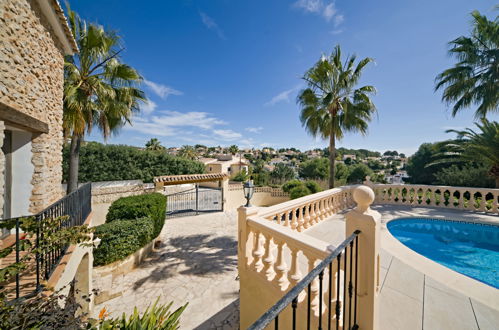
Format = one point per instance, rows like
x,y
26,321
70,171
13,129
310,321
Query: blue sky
x,y
222,72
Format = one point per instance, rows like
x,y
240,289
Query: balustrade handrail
x,y
291,297
411,186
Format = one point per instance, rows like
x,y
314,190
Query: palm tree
x,y
474,79
475,146
331,105
233,149
99,90
188,152
154,144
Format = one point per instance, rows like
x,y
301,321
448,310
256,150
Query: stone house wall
x,y
31,82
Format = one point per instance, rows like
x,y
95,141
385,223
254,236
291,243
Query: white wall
x,y
22,173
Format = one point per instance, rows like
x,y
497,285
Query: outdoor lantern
x,y
248,191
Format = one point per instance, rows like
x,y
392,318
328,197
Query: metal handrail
x,y
292,296
77,205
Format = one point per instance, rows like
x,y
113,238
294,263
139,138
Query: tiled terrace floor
x,y
196,263
410,299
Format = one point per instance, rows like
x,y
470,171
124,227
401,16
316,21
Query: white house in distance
x,y
352,157
227,164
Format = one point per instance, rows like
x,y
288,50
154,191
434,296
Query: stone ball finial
x,y
363,196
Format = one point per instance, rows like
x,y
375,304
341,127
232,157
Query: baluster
x,y
483,203
294,220
257,251
451,198
280,267
321,210
279,217
286,219
314,290
330,206
472,201
268,258
461,199
313,216
295,275
495,206
432,197
306,218
300,219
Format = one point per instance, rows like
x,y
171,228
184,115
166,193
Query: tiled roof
x,y
64,24
189,178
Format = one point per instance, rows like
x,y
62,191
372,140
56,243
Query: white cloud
x,y
162,91
168,123
336,31
212,25
227,134
322,8
254,129
282,97
148,107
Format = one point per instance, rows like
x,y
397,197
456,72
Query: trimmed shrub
x,y
152,206
119,239
288,186
313,186
99,162
298,192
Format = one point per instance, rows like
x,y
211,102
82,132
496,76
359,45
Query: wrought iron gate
x,y
194,201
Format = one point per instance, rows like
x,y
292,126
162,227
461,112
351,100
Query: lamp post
x,y
248,192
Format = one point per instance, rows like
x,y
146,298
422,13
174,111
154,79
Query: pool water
x,y
469,248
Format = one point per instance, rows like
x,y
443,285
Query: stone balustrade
x,y
459,198
302,213
274,254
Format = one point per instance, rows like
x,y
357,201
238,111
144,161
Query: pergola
x,y
170,180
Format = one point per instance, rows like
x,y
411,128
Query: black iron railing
x,y
344,251
76,207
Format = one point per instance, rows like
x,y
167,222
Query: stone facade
x,y
31,82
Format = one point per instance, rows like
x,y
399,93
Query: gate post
x,y
197,198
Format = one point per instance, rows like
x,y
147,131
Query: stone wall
x,y
2,168
31,81
108,192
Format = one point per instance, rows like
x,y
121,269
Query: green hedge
x,y
99,162
119,239
152,206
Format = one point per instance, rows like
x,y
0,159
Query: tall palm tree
x,y
332,105
472,146
474,79
154,144
99,90
188,152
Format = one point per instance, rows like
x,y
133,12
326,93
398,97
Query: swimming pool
x,y
469,248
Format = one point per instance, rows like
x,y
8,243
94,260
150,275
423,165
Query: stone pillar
x,y
368,222
248,299
224,185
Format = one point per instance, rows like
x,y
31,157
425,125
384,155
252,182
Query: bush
x,y
152,206
288,186
299,191
119,239
313,186
99,162
358,173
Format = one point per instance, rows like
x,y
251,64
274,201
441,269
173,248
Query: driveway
x,y
196,262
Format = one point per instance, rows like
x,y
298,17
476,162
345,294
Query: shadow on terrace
x,y
198,255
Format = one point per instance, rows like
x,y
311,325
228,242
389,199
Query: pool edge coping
x,y
461,283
